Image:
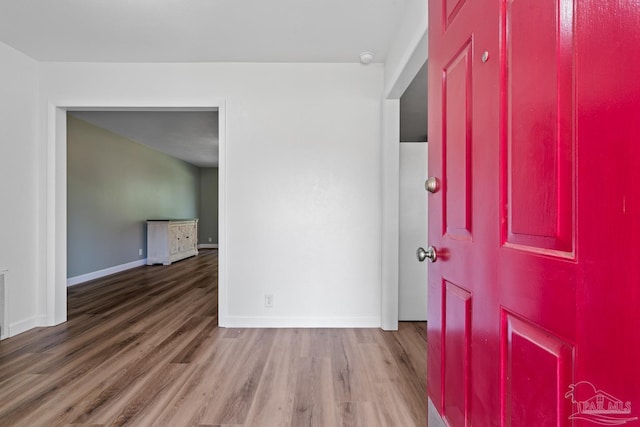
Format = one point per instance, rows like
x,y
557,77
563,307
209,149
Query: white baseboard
x,y
207,246
301,322
107,271
4,305
26,324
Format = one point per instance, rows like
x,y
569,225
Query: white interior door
x,y
412,291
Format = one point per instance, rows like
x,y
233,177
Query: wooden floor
x,y
143,348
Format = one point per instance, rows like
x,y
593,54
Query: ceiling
x,y
334,31
200,30
191,136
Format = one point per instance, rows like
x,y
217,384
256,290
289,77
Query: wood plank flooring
x,y
143,348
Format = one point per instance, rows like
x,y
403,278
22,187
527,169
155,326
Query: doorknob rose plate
x,y
432,185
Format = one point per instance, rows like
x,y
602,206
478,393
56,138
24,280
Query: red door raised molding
x,y
534,137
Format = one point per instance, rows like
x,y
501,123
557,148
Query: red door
x,y
534,136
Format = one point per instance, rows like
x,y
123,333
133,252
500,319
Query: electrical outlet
x,y
268,301
209,239
139,251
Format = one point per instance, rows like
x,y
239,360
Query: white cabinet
x,y
171,240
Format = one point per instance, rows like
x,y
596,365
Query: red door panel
x,y
534,124
457,346
539,87
456,143
538,369
451,9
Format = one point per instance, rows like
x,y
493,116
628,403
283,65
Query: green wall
x,y
208,223
113,186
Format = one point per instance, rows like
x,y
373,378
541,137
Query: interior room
x,y
298,278
127,167
512,231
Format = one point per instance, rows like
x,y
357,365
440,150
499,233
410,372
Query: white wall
x,y
19,227
408,50
390,213
303,168
407,54
412,281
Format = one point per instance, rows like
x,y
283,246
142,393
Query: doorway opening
x,y
413,60
413,229
60,235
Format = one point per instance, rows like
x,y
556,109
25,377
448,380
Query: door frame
x,y
414,58
56,195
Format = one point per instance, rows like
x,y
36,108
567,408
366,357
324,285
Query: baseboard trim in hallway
x,y
83,278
